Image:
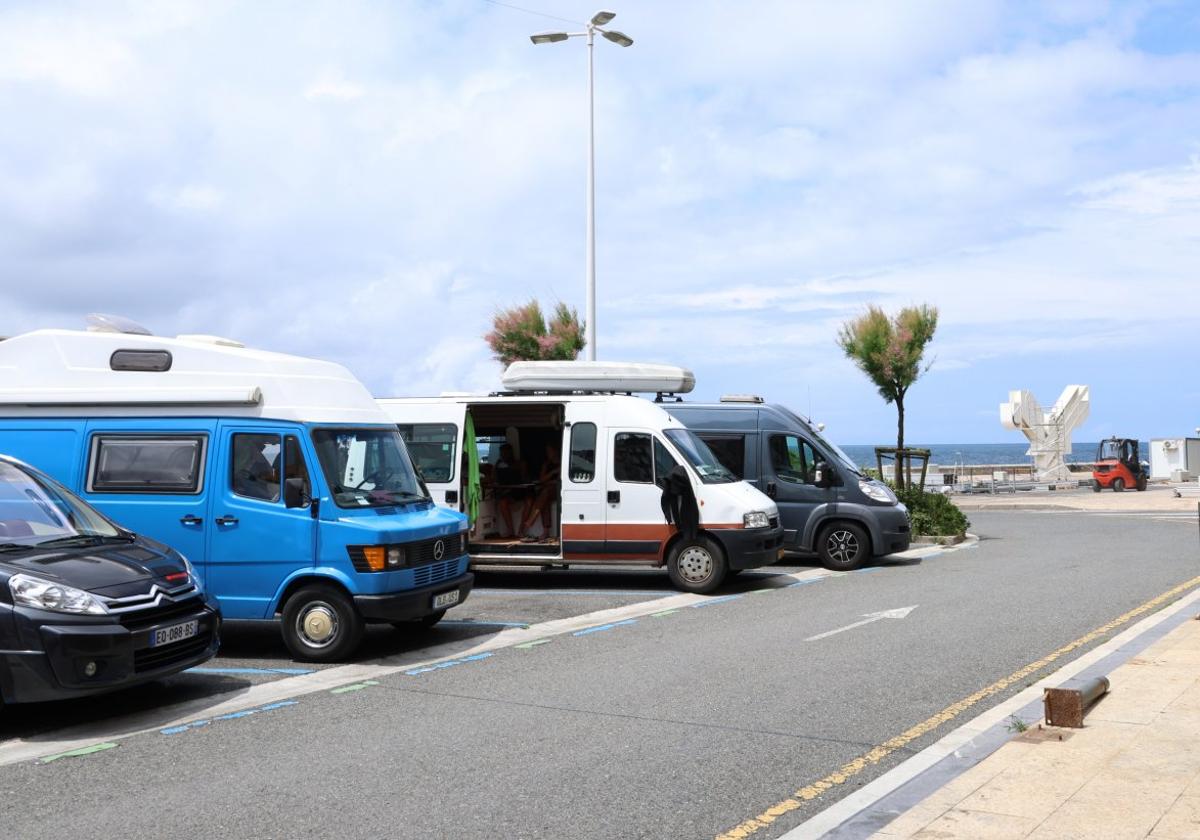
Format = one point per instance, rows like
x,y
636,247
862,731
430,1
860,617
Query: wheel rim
x,y
317,625
842,546
695,564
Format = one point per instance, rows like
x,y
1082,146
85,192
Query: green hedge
x,y
933,514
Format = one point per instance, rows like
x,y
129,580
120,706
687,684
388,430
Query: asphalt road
x,y
681,724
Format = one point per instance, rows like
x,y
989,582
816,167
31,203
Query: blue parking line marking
x,y
712,601
197,724
450,663
291,672
602,627
869,569
467,622
487,591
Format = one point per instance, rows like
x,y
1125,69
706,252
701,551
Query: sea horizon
x,y
946,454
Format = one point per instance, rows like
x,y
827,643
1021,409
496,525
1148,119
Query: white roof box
x,y
619,377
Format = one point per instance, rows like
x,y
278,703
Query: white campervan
x,y
568,467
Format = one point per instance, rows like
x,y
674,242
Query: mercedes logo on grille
x,y
439,550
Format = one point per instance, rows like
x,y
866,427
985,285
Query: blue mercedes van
x,y
828,506
278,477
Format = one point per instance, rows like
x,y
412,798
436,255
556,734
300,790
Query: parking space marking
x,y
449,663
89,750
572,592
720,600
470,622
602,627
345,689
200,724
290,672
534,643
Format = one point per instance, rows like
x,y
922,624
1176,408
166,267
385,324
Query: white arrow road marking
x,y
867,619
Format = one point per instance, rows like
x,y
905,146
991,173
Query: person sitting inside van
x,y
254,474
548,487
510,474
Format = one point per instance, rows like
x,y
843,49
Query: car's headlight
x,y
877,492
47,595
756,519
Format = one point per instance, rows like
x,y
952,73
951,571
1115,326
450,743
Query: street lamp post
x,y
596,24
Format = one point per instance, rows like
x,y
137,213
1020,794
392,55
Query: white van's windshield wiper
x,y
15,546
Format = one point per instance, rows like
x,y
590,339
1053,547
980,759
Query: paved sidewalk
x,y
1132,771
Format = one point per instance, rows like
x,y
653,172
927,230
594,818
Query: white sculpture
x,y
1049,432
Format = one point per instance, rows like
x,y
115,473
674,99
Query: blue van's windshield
x,y
700,457
367,467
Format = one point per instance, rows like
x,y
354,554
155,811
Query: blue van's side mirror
x,y
295,494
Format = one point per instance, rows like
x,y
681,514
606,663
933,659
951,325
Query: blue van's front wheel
x,y
320,624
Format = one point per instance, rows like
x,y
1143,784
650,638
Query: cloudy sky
x,y
370,181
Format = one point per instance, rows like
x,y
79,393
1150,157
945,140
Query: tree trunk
x,y
900,460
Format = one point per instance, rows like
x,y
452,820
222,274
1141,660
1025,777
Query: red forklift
x,y
1118,466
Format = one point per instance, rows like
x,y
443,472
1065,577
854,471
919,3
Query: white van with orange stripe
x,y
601,499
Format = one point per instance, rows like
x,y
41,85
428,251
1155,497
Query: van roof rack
x,y
576,377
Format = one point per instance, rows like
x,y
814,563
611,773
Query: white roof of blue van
x,y
74,373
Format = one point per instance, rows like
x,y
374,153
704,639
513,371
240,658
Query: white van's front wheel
x,y
320,624
697,565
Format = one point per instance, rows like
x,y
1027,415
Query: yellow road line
x,y
848,771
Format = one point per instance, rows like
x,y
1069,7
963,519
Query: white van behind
x,y
583,467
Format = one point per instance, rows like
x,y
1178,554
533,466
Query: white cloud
x,y
370,182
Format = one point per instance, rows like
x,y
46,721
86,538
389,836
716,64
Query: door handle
x,y
614,497
226,520
190,519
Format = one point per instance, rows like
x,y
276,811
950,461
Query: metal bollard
x,y
1067,706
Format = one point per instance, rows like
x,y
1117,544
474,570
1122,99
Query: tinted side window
x,y
582,464
633,460
432,448
792,459
145,464
664,462
730,451
255,466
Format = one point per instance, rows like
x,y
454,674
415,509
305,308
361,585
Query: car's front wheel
x,y
843,546
320,624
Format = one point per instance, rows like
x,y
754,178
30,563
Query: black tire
x,y
697,565
423,621
1118,485
1141,483
1096,488
320,624
843,546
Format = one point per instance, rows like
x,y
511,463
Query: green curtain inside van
x,y
472,469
